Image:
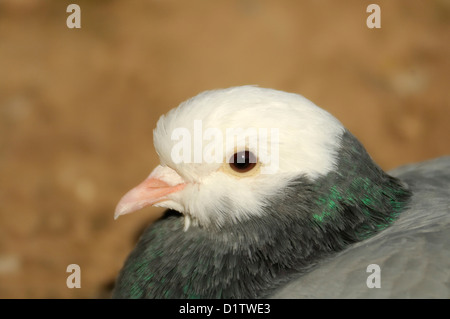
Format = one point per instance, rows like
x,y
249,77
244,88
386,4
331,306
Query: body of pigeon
x,y
270,196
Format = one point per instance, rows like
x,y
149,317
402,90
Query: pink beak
x,y
154,189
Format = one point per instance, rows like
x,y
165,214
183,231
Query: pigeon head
x,y
225,153
265,184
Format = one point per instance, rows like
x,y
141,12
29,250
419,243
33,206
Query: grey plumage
x,y
413,254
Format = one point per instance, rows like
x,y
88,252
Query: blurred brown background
x,y
78,106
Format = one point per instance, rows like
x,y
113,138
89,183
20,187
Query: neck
x,y
309,221
358,194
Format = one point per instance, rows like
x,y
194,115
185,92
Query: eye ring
x,y
243,161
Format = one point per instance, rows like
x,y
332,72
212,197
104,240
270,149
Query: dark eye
x,y
242,162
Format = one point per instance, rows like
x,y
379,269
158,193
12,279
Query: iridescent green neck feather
x,y
358,185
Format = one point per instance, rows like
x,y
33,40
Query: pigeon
x,y
270,196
